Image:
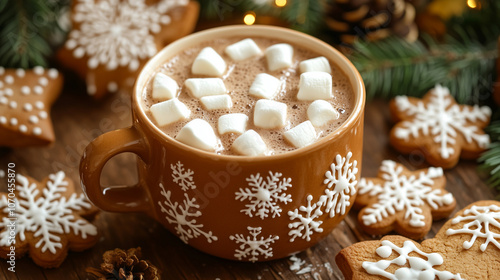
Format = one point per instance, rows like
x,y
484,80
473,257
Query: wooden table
x,y
78,119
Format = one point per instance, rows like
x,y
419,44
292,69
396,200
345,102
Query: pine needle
x,y
395,67
25,30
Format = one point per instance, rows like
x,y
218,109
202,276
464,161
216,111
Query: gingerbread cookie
x,y
403,200
112,39
440,128
45,219
25,100
466,247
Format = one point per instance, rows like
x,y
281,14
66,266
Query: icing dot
x,y
4,100
112,86
33,119
384,251
9,92
79,53
91,89
28,107
42,115
25,90
53,73
93,63
37,131
38,70
2,70
3,120
38,89
13,104
71,44
39,105
23,128
13,121
9,79
20,73
165,19
43,81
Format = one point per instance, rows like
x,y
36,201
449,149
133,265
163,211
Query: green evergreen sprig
x,y
26,28
395,67
491,158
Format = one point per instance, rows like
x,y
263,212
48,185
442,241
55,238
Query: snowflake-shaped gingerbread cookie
x,y
461,250
45,219
440,128
26,97
112,39
403,200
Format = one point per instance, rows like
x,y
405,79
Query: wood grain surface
x,y
78,119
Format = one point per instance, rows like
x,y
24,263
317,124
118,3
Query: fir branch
x,y
395,67
25,30
491,158
305,15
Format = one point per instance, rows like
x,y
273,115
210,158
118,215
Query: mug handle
x,y
98,152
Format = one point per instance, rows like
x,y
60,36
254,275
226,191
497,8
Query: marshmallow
x,y
301,135
164,87
200,87
169,111
279,56
215,102
318,64
320,112
249,144
269,114
209,63
315,85
199,134
265,86
235,123
243,49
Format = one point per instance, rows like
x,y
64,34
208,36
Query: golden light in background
x,y
471,3
280,3
249,18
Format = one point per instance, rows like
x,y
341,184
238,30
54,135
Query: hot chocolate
x,y
238,76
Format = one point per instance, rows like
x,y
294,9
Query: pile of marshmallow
x,y
315,85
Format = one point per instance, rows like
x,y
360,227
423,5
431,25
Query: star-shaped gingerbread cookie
x,y
440,128
26,97
466,247
45,219
112,39
402,200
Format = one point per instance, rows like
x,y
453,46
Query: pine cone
x,y
120,265
372,19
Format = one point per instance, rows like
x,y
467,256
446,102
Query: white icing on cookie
x,y
481,220
412,267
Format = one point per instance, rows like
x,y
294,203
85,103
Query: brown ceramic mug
x,y
197,195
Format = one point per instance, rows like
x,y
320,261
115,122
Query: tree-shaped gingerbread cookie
x,y
26,97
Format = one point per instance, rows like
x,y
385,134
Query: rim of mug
x,y
161,57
